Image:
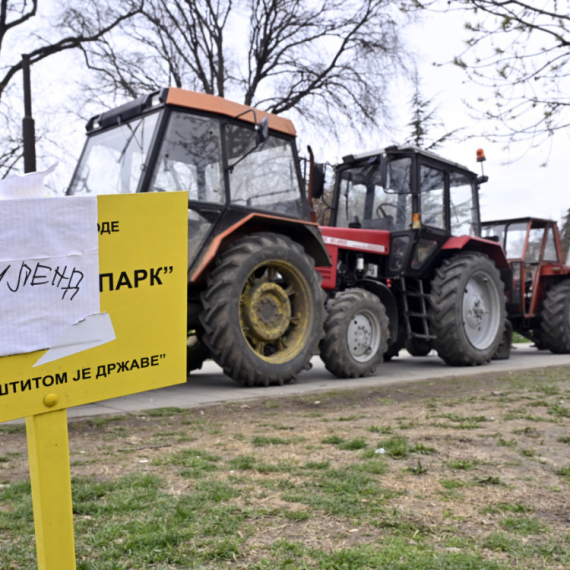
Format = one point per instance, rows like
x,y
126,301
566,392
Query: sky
x,y
519,183
516,187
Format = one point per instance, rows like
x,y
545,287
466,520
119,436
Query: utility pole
x,y
28,126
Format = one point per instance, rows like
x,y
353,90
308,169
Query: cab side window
x,y
550,253
463,213
190,159
432,186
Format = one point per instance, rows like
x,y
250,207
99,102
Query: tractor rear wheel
x,y
467,310
555,319
504,349
356,334
263,310
418,346
394,346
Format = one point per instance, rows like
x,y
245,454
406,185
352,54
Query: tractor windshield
x,y
377,205
115,159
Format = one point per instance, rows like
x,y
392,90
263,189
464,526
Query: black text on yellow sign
x,y
143,284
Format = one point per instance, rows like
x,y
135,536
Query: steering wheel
x,y
380,209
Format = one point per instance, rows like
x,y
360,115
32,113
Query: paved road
x,y
210,385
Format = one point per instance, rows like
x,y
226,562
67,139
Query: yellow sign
x,y
143,284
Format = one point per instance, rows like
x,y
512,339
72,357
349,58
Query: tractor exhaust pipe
x,y
28,125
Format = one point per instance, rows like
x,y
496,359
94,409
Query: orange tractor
x,y
255,304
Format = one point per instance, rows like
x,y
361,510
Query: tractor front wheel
x,y
395,345
554,329
467,311
356,334
263,310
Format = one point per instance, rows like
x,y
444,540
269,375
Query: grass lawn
x,y
463,473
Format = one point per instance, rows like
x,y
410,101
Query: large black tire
x,y
418,346
467,309
392,352
196,353
504,349
263,310
356,334
554,332
395,345
537,338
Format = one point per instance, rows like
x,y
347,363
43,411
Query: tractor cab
x,y
419,197
532,247
405,226
238,164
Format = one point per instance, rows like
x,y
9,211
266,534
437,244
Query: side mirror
x,y
262,131
318,180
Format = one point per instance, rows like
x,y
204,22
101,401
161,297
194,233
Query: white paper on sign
x,y
49,269
29,185
92,331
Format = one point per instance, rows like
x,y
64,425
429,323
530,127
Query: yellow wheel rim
x,y
275,311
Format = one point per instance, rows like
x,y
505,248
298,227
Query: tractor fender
x,y
468,243
306,234
491,249
385,295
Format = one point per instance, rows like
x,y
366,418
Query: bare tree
x,y
321,58
521,50
76,23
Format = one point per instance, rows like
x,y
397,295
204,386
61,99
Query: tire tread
x,y
334,353
220,334
444,298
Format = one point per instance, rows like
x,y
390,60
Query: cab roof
x,y
395,149
173,96
536,222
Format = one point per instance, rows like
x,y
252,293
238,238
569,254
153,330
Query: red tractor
x,y
539,294
409,267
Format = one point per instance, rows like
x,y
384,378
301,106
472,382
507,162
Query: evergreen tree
x,y
425,120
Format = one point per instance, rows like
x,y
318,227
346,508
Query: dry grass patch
x,y
478,479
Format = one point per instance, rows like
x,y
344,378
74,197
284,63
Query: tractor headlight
x,y
398,248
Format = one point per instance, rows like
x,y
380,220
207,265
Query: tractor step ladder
x,y
420,314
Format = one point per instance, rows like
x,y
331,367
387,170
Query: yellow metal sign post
x,y
48,452
142,282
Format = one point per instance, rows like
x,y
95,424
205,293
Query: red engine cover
x,y
354,239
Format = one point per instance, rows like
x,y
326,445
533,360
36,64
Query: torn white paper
x,y
29,185
92,331
49,269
